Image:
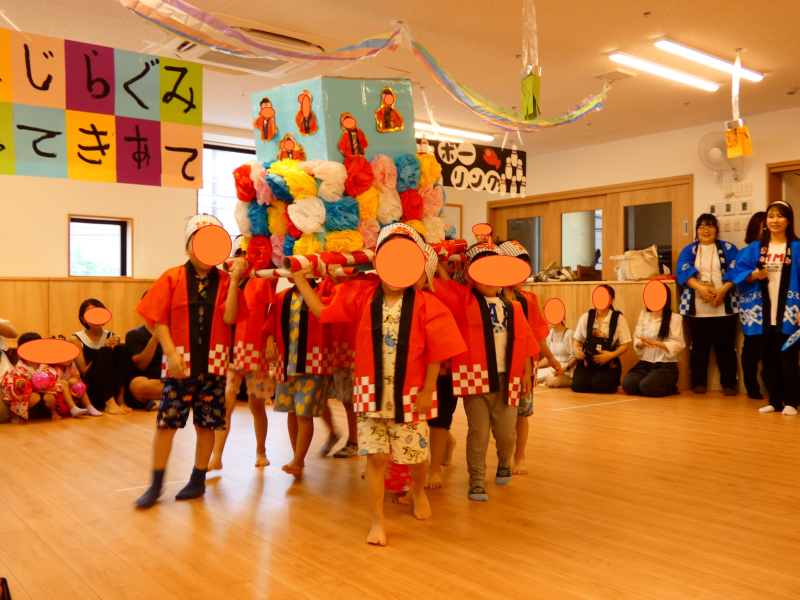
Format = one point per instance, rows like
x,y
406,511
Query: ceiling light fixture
x,y
663,71
430,136
705,59
445,131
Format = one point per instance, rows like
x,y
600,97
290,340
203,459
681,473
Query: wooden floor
x,y
628,498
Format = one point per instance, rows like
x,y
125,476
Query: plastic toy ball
x,y
78,389
40,380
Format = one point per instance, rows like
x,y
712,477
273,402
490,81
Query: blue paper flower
x,y
257,213
279,187
408,173
288,245
451,235
342,215
387,224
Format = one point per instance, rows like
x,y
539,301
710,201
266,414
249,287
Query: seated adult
x,y
104,363
145,388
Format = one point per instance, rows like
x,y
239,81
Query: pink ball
x,y
78,389
40,380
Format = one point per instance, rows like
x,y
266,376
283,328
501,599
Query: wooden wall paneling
x,y
544,210
577,298
119,295
24,302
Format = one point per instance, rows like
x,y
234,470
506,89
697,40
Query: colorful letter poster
x,y
82,111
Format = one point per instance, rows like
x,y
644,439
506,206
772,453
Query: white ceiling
x,y
477,42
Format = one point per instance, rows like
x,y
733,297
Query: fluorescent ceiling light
x,y
470,135
662,71
705,59
429,136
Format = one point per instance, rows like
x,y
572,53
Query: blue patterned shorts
x,y
205,394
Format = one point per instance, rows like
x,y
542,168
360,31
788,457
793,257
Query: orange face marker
x,y
554,311
348,122
48,352
267,112
97,316
601,299
655,295
400,263
499,271
482,229
212,245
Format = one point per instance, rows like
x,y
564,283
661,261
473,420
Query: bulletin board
x,y
80,111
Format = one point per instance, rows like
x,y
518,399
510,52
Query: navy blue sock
x,y
196,486
150,497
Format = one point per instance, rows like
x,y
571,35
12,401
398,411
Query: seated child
x,y
70,376
559,340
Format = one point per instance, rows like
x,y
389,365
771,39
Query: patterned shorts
x,y
342,385
205,394
259,384
406,443
304,395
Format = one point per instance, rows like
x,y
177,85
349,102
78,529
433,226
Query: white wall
x,y
666,154
34,215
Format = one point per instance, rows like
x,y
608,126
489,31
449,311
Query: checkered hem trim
x,y
186,358
218,359
246,357
364,395
410,404
514,391
445,368
468,381
320,361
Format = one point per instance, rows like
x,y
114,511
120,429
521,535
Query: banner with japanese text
x,y
80,111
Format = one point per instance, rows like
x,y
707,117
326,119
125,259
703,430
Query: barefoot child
x,y
192,308
249,362
530,306
403,334
494,373
304,359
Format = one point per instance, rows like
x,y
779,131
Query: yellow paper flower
x,y
307,244
276,216
368,204
301,184
344,241
417,225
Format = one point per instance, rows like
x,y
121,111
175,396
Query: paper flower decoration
x,y
279,187
276,218
301,184
245,191
242,219
277,249
359,175
432,201
258,175
342,215
308,166
368,203
344,241
257,213
408,173
291,230
369,230
434,229
333,175
418,225
307,244
288,245
385,172
308,214
431,169
411,202
390,209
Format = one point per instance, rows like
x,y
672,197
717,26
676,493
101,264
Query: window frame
x,y
126,243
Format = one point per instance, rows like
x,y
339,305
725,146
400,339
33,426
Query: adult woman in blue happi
x,y
710,305
768,278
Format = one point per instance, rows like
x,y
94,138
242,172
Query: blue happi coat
x,y
686,270
751,301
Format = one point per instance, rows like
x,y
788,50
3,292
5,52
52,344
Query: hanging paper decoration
x,y
387,117
306,119
353,141
289,148
531,71
737,136
265,122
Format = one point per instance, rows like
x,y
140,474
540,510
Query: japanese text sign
x,y
81,111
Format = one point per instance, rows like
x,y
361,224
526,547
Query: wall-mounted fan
x,y
714,155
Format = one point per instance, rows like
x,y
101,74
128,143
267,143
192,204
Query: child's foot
x,y
422,509
448,453
261,459
215,464
77,412
332,440
55,416
295,468
19,421
150,497
519,468
402,498
113,408
93,412
377,535
196,486
349,450
477,492
434,481
503,475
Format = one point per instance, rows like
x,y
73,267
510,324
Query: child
x,y
249,362
402,336
305,363
658,340
27,402
559,340
530,306
70,375
494,373
192,308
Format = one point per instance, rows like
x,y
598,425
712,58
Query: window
x,y
99,247
218,196
649,224
528,232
